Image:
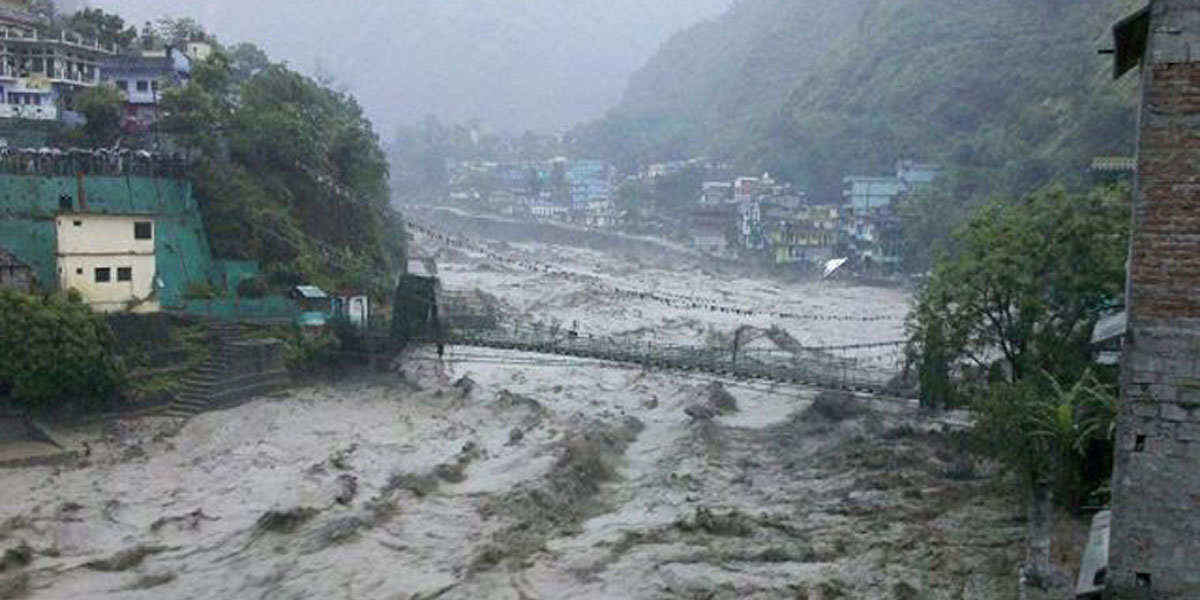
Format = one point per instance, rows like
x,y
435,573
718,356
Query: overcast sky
x,y
515,64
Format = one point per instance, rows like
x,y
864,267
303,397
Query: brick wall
x,y
1155,543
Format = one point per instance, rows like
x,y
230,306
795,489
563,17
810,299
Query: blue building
x,y
590,181
142,77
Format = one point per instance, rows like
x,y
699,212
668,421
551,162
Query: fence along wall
x,y
29,203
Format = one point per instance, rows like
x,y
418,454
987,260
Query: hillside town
x,y
42,71
750,218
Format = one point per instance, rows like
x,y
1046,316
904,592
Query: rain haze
x,y
542,65
599,299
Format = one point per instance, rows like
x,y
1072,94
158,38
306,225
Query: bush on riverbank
x,y
56,354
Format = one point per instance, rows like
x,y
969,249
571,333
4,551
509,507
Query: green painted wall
x,y
28,205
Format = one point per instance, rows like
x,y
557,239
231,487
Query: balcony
x,y
64,39
57,75
28,111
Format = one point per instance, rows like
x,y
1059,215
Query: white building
x,y
40,69
110,260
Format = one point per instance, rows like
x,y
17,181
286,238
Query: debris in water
x,y
700,413
14,587
347,489
285,521
190,521
465,385
151,581
719,399
16,558
125,559
835,407
731,524
515,436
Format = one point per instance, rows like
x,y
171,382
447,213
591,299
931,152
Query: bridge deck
x,y
814,368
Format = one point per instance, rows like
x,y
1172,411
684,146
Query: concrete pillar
x,y
1155,543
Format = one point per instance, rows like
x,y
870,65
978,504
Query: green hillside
x,y
1012,92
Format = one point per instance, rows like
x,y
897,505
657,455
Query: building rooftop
x,y
310,292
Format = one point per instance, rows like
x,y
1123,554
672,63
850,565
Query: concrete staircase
x,y
238,369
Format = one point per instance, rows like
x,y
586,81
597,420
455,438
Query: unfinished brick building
x,y
1155,542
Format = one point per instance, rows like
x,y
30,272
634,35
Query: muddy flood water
x,y
493,474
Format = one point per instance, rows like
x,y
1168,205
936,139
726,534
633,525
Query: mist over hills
x,y
544,65
1012,90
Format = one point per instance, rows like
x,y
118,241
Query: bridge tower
x,y
1155,537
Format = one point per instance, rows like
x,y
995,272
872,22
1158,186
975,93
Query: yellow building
x,y
109,259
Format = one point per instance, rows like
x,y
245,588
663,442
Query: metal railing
x,y
829,368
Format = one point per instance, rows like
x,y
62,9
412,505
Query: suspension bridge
x,y
865,368
874,368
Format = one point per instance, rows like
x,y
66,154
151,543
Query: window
x,y
122,85
79,271
143,230
77,223
143,86
124,273
103,275
154,85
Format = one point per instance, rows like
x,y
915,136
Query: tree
x,y
57,353
1046,431
1018,300
1027,285
289,172
247,60
102,107
179,31
109,29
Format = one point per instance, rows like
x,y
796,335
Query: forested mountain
x,y
1013,92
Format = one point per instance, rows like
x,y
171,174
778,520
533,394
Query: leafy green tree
x,y
108,28
179,31
290,172
247,60
1018,299
1026,286
57,353
102,106
1047,432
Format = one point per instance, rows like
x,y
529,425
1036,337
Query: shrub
x,y
255,287
201,290
306,354
56,353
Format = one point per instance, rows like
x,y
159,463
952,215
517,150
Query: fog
x,y
543,65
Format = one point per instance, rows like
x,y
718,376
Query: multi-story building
x,y
141,77
713,225
716,192
750,221
590,180
804,236
109,259
867,194
39,72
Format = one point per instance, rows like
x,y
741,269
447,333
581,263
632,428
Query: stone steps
x,y
214,383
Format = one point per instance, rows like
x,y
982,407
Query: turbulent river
x,y
493,474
